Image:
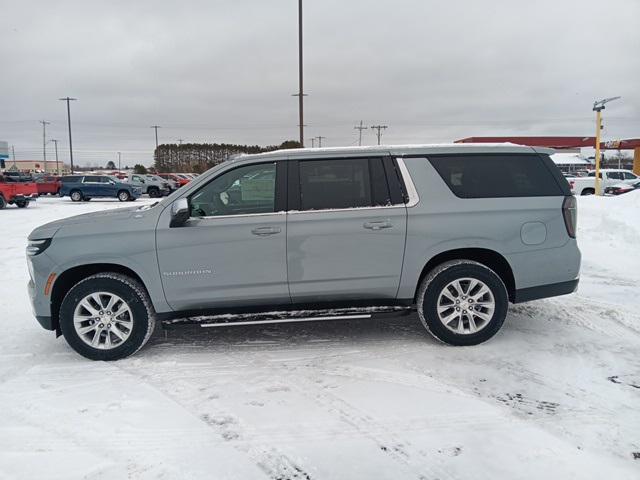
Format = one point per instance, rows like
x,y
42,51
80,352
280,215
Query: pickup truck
x,y
610,177
49,185
18,193
152,185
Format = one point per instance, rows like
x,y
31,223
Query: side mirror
x,y
179,213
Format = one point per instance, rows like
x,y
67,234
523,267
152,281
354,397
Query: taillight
x,y
570,215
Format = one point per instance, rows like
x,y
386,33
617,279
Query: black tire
x,y
588,191
86,199
76,195
22,204
153,192
434,284
124,195
3,202
131,292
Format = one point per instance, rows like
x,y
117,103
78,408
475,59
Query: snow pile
x,y
609,238
553,395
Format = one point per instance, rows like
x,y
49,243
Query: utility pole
x,y
320,137
44,142
359,127
379,129
180,141
55,142
69,99
313,142
156,127
119,162
13,151
598,106
300,93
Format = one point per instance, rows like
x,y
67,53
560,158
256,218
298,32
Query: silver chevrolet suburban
x,y
455,232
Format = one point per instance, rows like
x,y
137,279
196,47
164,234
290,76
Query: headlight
x,y
35,247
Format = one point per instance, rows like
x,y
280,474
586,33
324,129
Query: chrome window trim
x,y
239,215
348,209
412,193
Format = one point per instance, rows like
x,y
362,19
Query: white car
x,y
610,177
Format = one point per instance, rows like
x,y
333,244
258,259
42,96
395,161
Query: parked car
x,y
84,187
178,180
48,185
609,177
16,193
621,188
149,184
454,232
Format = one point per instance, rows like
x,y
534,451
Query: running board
x,y
265,318
286,320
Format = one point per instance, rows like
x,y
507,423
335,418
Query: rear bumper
x,y
545,291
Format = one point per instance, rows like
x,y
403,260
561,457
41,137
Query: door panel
x,y
223,262
345,255
232,251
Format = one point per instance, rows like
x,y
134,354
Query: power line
x,y
379,129
320,137
360,127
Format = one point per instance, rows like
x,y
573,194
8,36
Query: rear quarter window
x,y
496,176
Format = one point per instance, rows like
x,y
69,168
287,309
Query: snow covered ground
x,y
555,395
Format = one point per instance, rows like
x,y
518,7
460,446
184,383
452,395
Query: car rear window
x,y
494,176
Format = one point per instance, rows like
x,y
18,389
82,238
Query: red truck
x,y
49,185
18,193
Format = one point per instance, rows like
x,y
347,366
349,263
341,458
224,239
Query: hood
x,y
48,230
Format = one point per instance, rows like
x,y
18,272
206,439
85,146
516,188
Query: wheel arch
x,y
489,258
67,279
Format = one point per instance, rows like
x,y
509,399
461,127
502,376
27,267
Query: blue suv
x,y
85,187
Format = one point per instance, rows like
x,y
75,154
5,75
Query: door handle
x,y
378,225
265,231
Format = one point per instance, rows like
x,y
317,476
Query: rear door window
x,y
629,176
495,176
342,183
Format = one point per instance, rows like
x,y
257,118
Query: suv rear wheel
x,y
107,316
153,192
462,302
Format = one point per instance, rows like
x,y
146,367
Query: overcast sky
x,y
224,71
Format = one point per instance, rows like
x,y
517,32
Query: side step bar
x,y
286,320
264,318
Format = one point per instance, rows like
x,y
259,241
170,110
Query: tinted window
x,y
344,183
71,179
244,190
487,176
629,176
615,175
92,179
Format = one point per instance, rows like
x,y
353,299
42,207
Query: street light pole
x,y
598,106
119,162
69,99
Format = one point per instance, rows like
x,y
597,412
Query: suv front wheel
x,y
107,316
462,302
